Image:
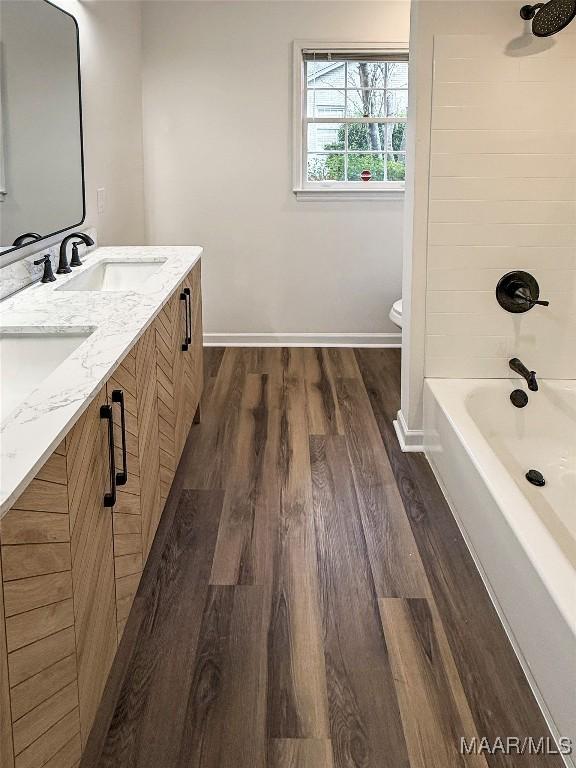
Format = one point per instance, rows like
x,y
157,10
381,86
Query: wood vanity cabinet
x,y
39,659
193,379
179,373
88,473
127,511
70,565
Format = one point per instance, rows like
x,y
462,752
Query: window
x,y
350,119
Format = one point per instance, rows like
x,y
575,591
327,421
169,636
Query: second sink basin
x,y
114,275
30,356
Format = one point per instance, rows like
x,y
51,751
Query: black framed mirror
x,y
42,187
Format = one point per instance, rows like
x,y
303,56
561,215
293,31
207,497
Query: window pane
x,y
396,166
397,75
355,151
375,164
325,74
366,74
326,103
397,103
366,103
367,137
326,136
396,136
326,167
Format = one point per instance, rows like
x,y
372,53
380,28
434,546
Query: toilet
x,y
396,313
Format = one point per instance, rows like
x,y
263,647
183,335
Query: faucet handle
x,y
75,260
522,294
48,276
518,292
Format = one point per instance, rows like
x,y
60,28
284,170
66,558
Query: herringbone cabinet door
x,y
39,714
87,457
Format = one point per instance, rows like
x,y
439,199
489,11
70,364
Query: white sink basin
x,y
28,357
114,275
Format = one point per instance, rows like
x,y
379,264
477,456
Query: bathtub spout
x,y
518,367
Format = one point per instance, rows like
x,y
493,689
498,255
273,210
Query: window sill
x,y
345,194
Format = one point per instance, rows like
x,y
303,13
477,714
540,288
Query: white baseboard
x,y
411,440
302,339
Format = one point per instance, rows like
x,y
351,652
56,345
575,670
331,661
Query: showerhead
x,y
549,18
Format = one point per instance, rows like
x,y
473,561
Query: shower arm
x,y
527,12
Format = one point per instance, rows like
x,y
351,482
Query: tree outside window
x,y
356,115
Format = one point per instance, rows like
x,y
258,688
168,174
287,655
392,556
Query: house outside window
x,y
351,107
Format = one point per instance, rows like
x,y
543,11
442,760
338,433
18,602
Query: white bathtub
x,y
522,537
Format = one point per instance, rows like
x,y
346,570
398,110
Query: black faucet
x,y
518,291
518,367
48,276
27,237
80,237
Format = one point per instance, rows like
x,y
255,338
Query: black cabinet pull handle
x,y
121,477
185,342
189,325
106,413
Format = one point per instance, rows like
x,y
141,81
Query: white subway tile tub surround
x,y
502,196
33,430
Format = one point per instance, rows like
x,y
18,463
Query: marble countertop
x,y
116,319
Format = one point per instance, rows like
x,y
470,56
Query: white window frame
x,y
329,190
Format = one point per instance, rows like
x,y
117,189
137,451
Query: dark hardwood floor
x,y
309,601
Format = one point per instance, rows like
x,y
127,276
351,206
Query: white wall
x,y
110,50
459,232
217,138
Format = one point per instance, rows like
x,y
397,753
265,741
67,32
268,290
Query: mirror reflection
x,y
41,170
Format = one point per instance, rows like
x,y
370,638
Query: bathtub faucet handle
x,y
540,303
518,292
522,294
